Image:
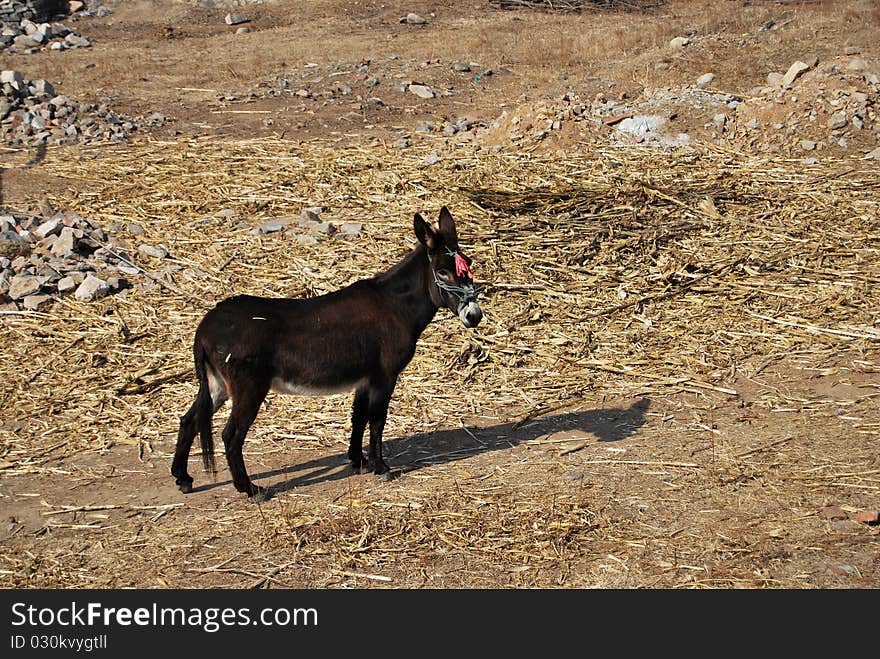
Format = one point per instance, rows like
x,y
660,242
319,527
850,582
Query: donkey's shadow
x,y
424,449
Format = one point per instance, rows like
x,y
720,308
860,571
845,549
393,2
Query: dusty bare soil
x,y
552,448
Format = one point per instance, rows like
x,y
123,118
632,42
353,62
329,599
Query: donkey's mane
x,y
417,253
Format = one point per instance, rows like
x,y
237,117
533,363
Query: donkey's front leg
x,y
359,417
380,396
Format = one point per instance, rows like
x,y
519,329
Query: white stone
x,y
794,72
705,80
422,91
236,18
92,288
157,252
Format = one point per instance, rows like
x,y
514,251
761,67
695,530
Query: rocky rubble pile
x,y
32,113
43,257
28,37
12,11
809,107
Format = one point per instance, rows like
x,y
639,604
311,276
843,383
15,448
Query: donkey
x,y
360,337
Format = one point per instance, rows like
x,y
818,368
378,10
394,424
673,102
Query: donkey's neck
x,y
407,282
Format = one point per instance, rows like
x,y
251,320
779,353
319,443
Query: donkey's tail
x,y
205,409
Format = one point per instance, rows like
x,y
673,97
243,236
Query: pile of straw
x,y
614,272
630,271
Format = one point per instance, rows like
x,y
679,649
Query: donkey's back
x,y
322,345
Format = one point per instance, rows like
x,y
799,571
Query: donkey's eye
x,y
443,272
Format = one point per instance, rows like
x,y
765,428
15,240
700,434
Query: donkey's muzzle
x,y
470,314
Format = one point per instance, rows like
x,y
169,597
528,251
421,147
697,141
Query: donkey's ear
x,y
447,227
426,235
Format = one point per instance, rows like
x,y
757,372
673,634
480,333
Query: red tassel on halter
x,y
461,266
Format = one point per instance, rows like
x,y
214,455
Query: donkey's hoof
x,y
380,468
259,494
186,486
357,462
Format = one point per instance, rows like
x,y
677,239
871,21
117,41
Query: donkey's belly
x,y
307,389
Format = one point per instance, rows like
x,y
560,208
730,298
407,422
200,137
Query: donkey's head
x,y
451,283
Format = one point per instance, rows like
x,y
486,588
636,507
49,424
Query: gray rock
x,y
92,288
810,161
774,79
50,273
852,50
433,159
422,91
153,251
135,229
874,155
808,145
402,143
60,29
795,71
838,120
705,80
21,286
243,30
857,65
36,302
303,239
66,285
679,42
461,67
25,41
272,226
64,246
11,77
352,229
236,18
413,19
76,41
12,245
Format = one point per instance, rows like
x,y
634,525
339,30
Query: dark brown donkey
x,y
360,337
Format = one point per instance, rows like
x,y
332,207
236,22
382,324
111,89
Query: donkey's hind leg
x,y
189,427
185,436
359,418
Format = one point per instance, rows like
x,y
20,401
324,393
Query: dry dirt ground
x,y
548,449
